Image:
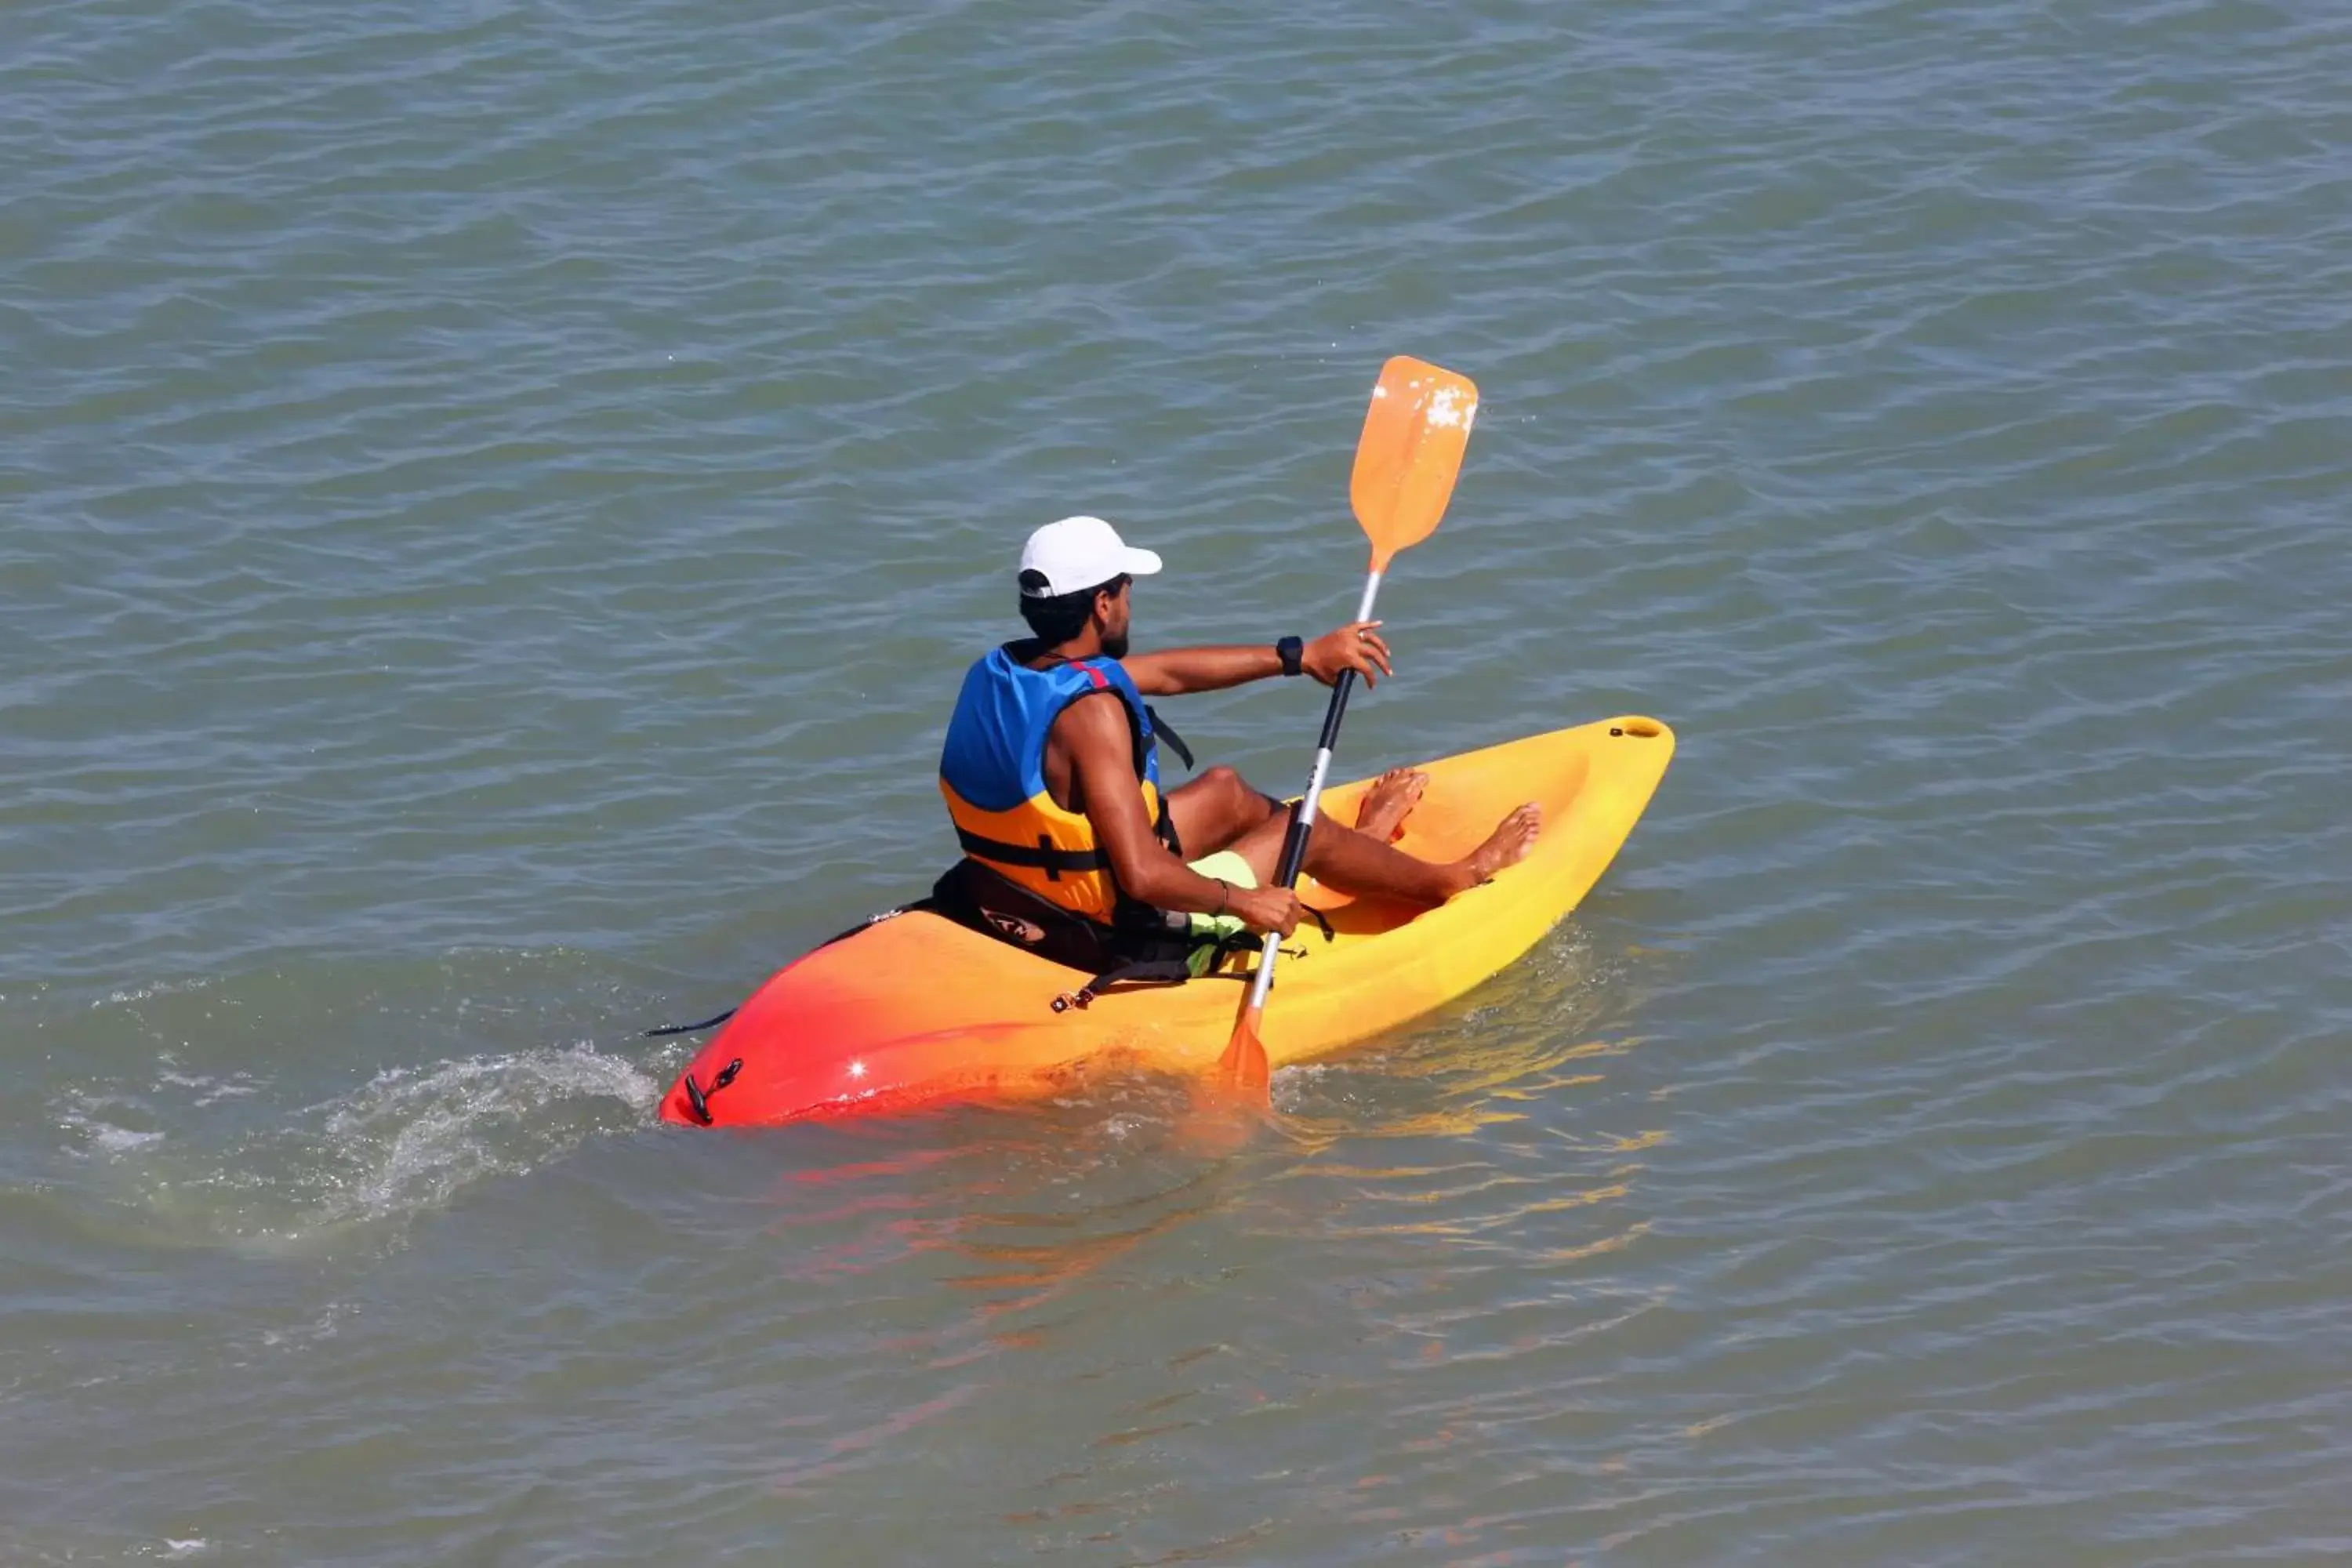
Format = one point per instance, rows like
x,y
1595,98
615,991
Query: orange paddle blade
x,y
1411,450
1243,1071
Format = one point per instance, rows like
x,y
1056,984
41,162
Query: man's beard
x,y
1115,646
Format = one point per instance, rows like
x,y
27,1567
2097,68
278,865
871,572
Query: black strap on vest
x,y
1161,730
1042,856
1047,857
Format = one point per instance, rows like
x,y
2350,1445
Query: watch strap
x,y
1290,650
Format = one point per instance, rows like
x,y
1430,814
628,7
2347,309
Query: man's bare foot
x,y
1507,846
1388,802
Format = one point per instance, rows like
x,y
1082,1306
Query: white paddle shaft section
x,y
1263,982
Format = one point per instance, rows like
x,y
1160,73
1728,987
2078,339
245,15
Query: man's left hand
x,y
1355,646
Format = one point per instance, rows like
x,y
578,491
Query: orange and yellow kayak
x,y
915,1010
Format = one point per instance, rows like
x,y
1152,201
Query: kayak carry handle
x,y
700,1097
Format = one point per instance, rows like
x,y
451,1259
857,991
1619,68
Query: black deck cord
x,y
687,1028
843,936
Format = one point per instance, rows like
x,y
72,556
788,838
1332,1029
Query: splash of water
x,y
403,1143
411,1139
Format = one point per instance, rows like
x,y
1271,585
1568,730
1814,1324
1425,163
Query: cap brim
x,y
1139,563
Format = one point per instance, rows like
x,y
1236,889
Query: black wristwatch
x,y
1288,650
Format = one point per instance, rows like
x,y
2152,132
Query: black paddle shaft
x,y
1294,840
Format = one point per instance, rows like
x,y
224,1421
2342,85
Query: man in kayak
x,y
1051,773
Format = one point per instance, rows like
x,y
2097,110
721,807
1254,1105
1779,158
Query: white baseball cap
x,y
1079,553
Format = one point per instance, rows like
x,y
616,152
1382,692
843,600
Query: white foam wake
x,y
406,1141
413,1139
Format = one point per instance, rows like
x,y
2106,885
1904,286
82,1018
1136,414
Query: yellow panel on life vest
x,y
1038,845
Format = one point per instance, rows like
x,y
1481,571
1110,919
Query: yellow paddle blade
x,y
1409,452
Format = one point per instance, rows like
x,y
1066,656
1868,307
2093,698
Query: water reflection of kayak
x,y
915,1010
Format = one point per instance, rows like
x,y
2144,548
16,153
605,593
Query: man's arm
x,y
1102,759
1177,670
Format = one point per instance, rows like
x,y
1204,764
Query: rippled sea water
x,y
494,502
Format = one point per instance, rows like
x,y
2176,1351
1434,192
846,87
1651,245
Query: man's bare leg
x,y
1218,810
1365,867
1213,810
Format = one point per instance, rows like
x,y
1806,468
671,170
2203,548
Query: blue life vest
x,y
993,774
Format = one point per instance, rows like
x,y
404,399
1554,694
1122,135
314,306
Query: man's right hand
x,y
1266,909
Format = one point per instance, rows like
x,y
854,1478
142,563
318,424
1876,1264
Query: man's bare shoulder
x,y
1098,719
